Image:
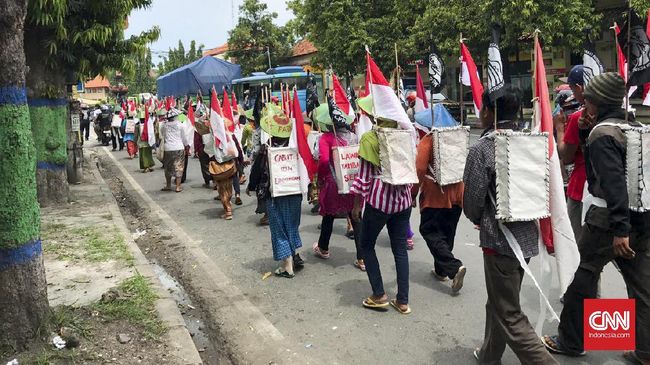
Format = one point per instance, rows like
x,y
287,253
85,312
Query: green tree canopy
x,y
254,33
177,57
141,81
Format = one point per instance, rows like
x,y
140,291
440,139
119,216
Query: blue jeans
x,y
397,224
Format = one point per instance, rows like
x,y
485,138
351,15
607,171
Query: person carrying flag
x,y
506,323
568,145
337,131
612,231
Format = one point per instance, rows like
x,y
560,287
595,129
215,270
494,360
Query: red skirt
x,y
131,148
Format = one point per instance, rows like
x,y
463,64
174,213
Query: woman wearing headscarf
x,y
146,139
129,126
337,131
176,147
283,212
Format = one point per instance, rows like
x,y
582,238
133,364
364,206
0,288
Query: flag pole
x,y
460,79
535,60
370,84
627,58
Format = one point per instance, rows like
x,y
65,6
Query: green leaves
x,y
254,33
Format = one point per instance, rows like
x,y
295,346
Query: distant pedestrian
x,y
440,210
116,129
176,147
129,136
85,122
505,322
146,139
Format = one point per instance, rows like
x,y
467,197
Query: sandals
x,y
399,309
477,353
320,253
359,264
369,303
264,221
409,244
438,276
283,274
457,281
166,189
553,345
178,190
349,234
238,201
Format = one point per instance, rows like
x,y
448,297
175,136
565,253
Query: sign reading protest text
x,y
346,166
283,171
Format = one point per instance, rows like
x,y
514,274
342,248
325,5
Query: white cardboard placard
x,y
397,156
450,149
522,176
283,171
346,166
130,126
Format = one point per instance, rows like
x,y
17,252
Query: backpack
x,y
637,164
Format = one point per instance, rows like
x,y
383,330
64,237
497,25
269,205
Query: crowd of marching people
x,y
366,162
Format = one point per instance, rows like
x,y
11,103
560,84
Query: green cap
x,y
249,114
181,118
365,104
140,114
275,122
161,112
322,117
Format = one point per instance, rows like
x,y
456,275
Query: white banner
x,y
130,126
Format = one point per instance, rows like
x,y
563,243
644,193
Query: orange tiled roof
x,y
97,82
216,51
303,47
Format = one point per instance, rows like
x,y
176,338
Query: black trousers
x,y
204,161
85,129
438,228
327,224
116,136
185,170
596,251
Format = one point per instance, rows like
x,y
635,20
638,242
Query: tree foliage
x,y
141,80
177,57
341,28
87,37
254,33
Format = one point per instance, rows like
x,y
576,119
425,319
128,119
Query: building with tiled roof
x,y
217,52
97,88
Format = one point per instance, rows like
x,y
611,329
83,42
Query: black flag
x,y
639,50
590,62
312,96
436,70
496,81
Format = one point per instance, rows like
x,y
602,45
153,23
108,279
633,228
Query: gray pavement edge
x,y
255,339
177,337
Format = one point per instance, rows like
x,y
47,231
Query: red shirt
x,y
579,174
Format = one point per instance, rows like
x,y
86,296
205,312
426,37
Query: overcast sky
x,y
205,21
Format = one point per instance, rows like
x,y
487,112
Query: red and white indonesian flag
x,y
340,97
216,121
298,141
421,95
469,77
386,103
556,232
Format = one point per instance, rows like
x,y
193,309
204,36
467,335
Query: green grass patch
x,y
66,316
135,304
85,244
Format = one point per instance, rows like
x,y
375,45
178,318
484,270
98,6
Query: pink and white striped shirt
x,y
387,198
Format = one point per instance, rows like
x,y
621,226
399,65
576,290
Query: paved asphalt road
x,y
320,308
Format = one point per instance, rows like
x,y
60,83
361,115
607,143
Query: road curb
x,y
177,337
253,338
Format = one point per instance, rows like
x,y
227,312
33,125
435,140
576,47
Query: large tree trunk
x,y
23,291
48,109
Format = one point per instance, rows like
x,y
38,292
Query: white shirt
x,y
176,136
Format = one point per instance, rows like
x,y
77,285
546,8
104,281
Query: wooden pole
x,y
535,60
461,100
627,58
370,85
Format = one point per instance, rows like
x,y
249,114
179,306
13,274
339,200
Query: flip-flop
x,y
179,190
283,274
166,189
477,353
369,303
553,345
633,358
396,306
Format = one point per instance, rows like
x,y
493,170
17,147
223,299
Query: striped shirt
x,y
387,198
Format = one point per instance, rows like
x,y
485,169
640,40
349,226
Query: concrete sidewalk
x,y
77,278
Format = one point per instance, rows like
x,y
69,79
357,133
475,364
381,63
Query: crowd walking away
x,y
369,160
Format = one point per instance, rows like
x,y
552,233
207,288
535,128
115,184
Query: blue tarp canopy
x,y
442,117
201,74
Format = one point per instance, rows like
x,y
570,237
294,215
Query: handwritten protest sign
x,y
346,166
283,171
